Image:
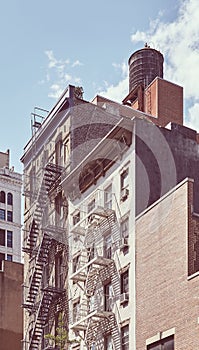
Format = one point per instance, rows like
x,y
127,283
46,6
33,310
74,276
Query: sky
x,y
46,45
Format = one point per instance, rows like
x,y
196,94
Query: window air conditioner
x,y
124,194
124,243
124,298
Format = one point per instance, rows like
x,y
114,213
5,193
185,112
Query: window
x,y
107,246
124,229
125,337
108,344
76,309
76,261
91,205
9,198
124,287
76,218
2,197
163,344
108,294
2,237
2,214
124,184
9,216
108,197
58,152
66,152
9,257
2,257
59,271
9,239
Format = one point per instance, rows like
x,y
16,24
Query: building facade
x,y
11,268
10,211
108,193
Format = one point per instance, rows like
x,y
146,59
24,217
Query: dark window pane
x,y
9,199
9,216
9,239
2,214
2,237
9,257
2,197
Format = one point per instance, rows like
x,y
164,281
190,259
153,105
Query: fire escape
x,y
43,242
93,302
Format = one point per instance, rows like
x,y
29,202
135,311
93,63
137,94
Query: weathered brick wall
x,y
165,297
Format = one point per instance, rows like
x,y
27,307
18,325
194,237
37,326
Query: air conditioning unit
x,y
93,220
124,243
124,298
124,194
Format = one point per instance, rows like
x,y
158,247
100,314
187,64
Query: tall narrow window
x,y
9,216
124,229
108,297
9,239
124,288
58,152
108,246
125,337
91,205
2,237
59,271
76,310
2,197
108,343
124,184
9,199
108,197
76,218
2,214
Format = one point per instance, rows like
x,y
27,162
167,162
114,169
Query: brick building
x,y
11,315
11,269
111,219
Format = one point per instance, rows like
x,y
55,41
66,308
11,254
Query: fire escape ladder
x,y
31,236
36,273
41,314
52,177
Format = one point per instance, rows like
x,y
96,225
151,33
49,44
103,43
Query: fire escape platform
x,y
98,261
94,217
96,314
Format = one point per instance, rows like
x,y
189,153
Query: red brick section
x,y
165,298
163,100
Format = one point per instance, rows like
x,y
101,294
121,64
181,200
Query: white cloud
x,y
77,63
58,73
117,92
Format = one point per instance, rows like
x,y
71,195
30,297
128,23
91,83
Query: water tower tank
x,y
144,66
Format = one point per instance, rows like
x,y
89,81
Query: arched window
x,y
2,197
9,198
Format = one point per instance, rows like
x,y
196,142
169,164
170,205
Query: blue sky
x,y
45,45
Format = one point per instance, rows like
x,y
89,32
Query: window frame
x,y
9,198
2,197
161,343
9,239
10,257
124,344
2,237
108,200
9,216
2,214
